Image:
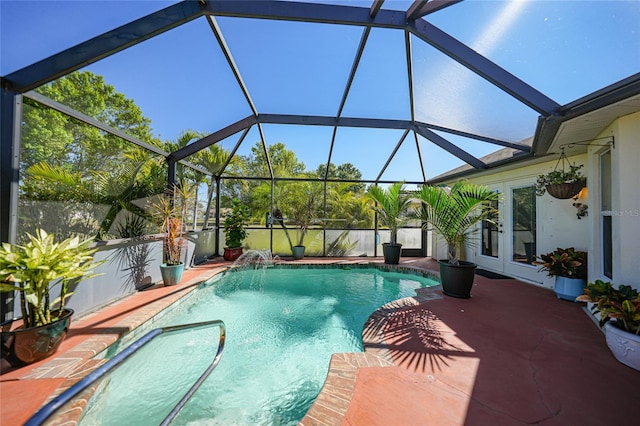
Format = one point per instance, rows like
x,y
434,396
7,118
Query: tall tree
x,y
283,161
345,171
77,173
213,158
258,193
61,140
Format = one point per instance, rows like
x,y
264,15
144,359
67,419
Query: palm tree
x,y
392,205
301,204
453,213
213,159
136,176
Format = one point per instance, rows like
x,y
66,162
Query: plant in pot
x,y
569,266
453,213
169,216
620,316
392,205
561,183
300,203
41,272
234,230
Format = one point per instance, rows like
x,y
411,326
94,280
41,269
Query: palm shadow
x,y
412,335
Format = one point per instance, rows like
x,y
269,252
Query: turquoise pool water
x,y
282,327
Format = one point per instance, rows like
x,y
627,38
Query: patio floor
x,y
512,354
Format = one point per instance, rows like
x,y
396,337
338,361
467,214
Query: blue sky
x,y
565,49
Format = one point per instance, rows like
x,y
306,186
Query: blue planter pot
x,y
569,288
298,252
171,274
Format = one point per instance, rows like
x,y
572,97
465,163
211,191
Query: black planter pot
x,y
391,253
457,280
24,346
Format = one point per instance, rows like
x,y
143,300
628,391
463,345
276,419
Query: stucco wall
x,y
557,223
625,157
627,161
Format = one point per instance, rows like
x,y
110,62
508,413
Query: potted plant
x,y
234,230
166,213
562,184
35,270
392,205
569,266
454,213
620,316
300,203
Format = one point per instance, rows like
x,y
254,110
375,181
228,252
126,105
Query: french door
x,y
509,244
489,253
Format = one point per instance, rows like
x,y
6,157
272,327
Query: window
x,y
523,224
606,214
490,233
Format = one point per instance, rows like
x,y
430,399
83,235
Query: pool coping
x,y
332,402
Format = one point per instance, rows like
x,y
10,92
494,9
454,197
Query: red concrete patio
x,y
512,354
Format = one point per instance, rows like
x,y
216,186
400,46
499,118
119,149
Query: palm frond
x,y
55,174
391,204
454,212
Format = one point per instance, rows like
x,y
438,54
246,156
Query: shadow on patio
x,y
512,354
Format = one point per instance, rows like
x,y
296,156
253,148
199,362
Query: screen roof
x,y
338,81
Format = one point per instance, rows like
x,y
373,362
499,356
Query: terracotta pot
x,y
232,254
24,346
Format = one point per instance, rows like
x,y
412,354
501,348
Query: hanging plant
x,y
561,183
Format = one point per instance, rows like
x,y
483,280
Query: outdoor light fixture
x,y
582,208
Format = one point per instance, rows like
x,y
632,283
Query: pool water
x,y
282,327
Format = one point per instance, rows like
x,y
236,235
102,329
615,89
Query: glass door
x,y
489,253
491,229
523,225
522,231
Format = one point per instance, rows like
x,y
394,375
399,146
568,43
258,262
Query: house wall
x,y
625,158
557,223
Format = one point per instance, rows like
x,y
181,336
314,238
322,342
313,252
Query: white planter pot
x,y
625,346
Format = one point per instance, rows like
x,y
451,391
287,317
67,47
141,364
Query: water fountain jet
x,y
256,259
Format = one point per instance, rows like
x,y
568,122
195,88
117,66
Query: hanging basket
x,y
565,190
560,183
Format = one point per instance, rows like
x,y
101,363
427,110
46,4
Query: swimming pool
x,y
282,327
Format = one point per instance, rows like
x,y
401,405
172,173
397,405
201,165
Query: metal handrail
x,y
52,407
